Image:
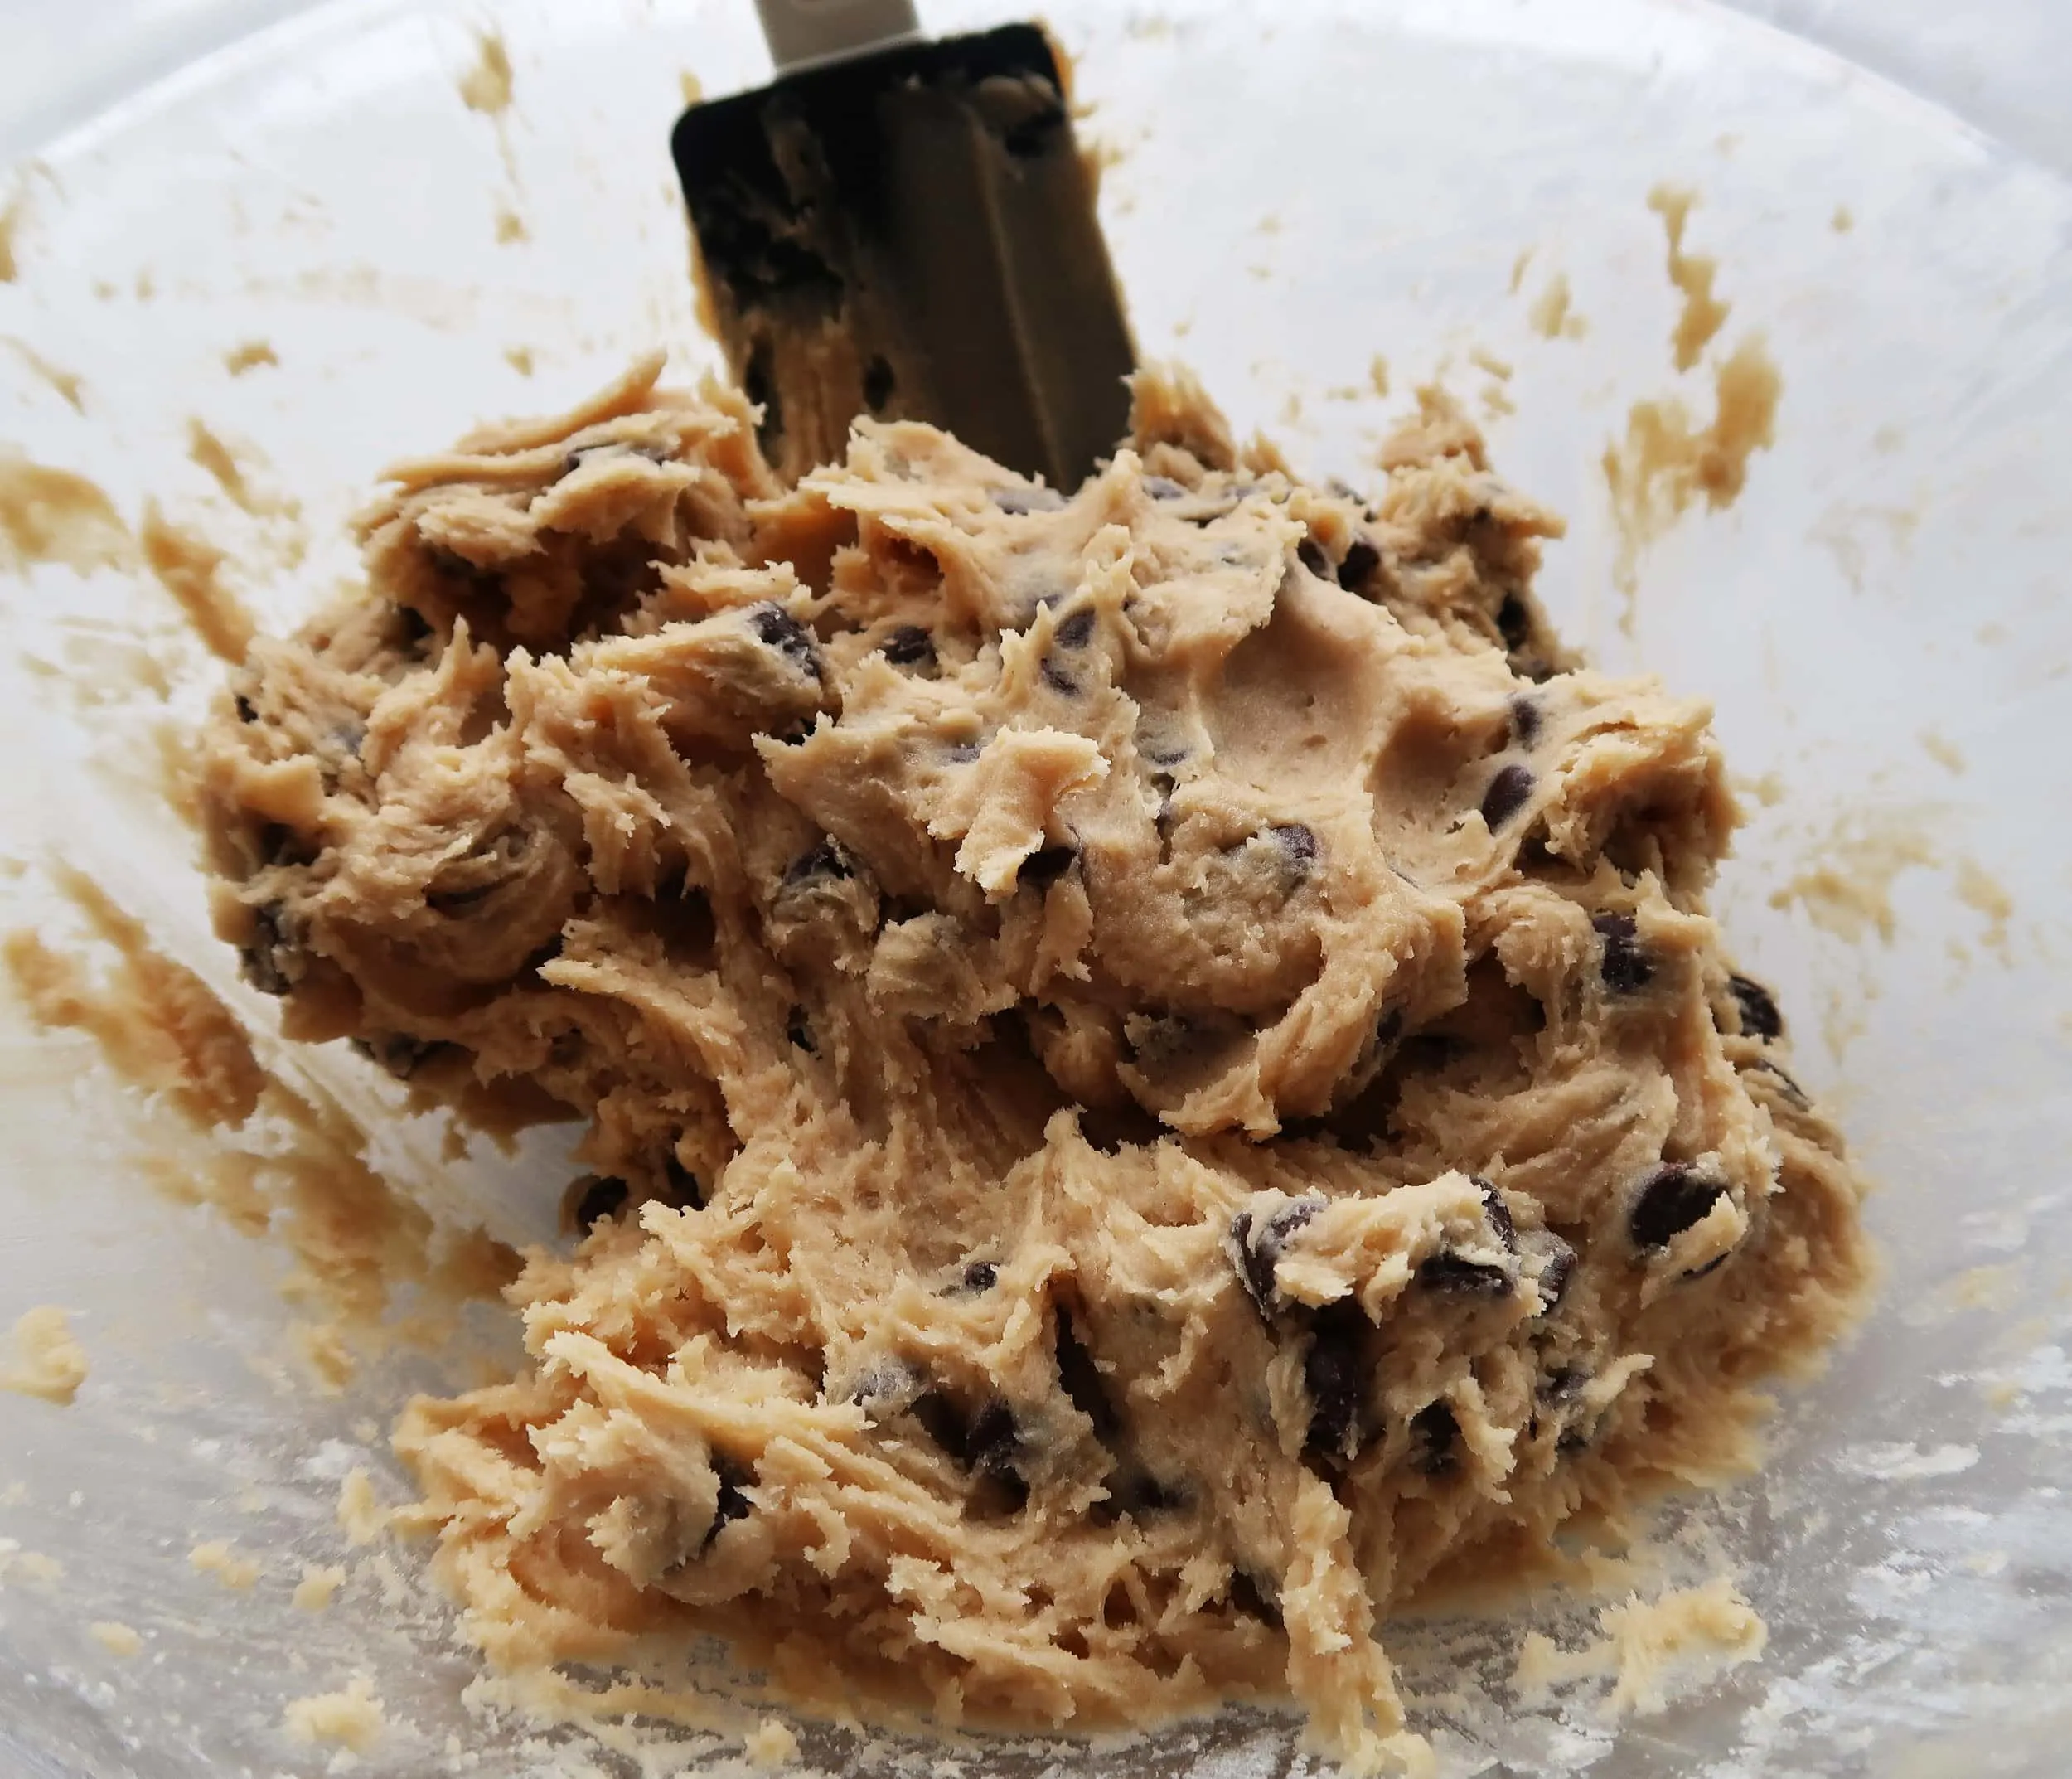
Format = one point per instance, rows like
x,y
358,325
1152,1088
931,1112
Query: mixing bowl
x,y
343,237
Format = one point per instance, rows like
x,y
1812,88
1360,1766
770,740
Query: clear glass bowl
x,y
1292,190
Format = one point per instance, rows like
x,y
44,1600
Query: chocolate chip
x,y
271,962
1389,1027
825,861
1792,1092
961,753
1506,795
395,1052
1298,846
1458,1273
1362,559
1082,1382
1573,1440
776,629
879,383
1514,622
909,646
1624,967
684,1192
1057,680
1498,1212
601,1197
1258,1252
1334,1374
1672,1199
1563,1382
1560,1268
1436,1432
1525,720
1760,1017
1247,1595
994,1441
981,1275
1031,499
733,1502
279,844
1163,488
247,711
1045,866
1076,631
1312,558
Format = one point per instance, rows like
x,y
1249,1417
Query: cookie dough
x,y
1159,1083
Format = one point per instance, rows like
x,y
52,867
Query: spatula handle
x,y
805,33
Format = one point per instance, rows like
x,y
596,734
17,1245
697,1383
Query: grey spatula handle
x,y
806,33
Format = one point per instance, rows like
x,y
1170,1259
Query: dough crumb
x,y
1843,219
219,1558
511,227
691,86
359,1511
319,1586
189,567
1551,315
1378,374
249,356
1645,1647
520,358
1692,274
771,1744
1666,463
1847,888
209,453
352,1719
486,86
13,212
56,516
1979,890
49,1361
116,1638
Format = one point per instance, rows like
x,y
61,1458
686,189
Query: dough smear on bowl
x,y
1159,1078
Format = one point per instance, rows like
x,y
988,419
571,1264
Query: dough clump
x,y
1157,1076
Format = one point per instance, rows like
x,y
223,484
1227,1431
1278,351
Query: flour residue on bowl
x,y
1704,314
67,385
190,567
1552,314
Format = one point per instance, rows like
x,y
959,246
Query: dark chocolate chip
x,y
1057,680
1563,1382
1082,1382
1760,1017
1436,1431
1163,488
1498,1212
1555,1276
266,961
1514,622
1456,1272
909,646
1525,720
1333,1374
776,629
396,1052
1248,1597
1298,846
981,1275
684,1192
1573,1440
1672,1199
1362,559
1506,795
733,1502
1075,630
279,844
825,861
1034,498
247,711
1045,866
1390,1027
961,753
1713,1265
994,1441
1624,967
1792,1091
879,383
1313,558
604,1196
800,1033
1257,1254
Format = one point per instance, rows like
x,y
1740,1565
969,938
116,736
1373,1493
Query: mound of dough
x,y
1158,1074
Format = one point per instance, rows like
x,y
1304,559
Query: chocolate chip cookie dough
x,y
1159,1080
